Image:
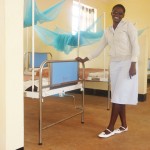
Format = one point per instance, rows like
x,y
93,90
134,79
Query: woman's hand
x,y
132,70
82,60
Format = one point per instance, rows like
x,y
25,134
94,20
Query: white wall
x,y
11,76
137,15
2,80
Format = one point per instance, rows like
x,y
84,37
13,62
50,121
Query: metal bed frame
x,y
109,89
41,94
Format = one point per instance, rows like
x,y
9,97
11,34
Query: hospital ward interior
x,y
50,101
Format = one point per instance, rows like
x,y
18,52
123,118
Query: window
x,y
82,17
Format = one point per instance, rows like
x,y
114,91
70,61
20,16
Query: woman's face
x,y
117,14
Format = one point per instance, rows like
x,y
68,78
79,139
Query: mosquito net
x,y
59,39
40,16
66,41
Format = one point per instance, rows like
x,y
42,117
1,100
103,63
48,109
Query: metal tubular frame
x,y
109,90
41,101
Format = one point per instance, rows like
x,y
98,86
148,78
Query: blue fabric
x,y
40,16
59,39
38,59
64,76
66,41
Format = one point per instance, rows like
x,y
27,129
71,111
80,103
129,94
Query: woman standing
x,y
122,38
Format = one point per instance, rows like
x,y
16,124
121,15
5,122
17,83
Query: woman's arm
x,y
132,70
95,53
133,37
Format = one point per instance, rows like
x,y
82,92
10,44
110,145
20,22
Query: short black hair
x,y
119,5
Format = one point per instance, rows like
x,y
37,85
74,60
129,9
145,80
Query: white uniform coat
x,y
124,49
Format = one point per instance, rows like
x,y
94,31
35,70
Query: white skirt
x,y
123,89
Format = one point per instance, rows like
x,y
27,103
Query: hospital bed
x,y
31,69
45,84
38,58
91,75
63,77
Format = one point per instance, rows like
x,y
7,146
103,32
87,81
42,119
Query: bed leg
x,y
82,117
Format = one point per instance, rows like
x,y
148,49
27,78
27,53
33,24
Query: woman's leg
x,y
117,109
122,115
114,115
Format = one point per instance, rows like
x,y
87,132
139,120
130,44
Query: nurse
x,y
122,37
